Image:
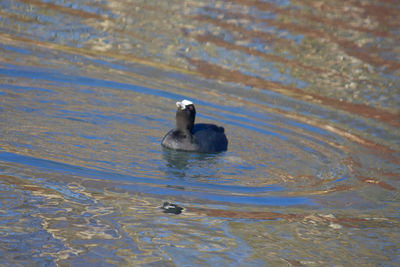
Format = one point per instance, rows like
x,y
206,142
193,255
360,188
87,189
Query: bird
x,y
188,136
171,208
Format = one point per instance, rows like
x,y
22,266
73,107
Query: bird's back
x,y
209,137
204,137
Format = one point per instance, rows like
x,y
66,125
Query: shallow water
x,y
308,94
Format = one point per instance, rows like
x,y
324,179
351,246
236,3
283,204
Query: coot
x,y
171,208
200,137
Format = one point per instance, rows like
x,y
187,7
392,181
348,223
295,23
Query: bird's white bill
x,y
183,103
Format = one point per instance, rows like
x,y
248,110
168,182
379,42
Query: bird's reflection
x,y
180,162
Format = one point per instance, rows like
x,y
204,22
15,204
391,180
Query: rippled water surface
x,y
308,94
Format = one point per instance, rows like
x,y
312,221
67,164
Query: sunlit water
x,y
308,94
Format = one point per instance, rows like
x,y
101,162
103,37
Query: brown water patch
x,y
394,176
245,215
317,182
376,182
381,150
369,180
19,40
385,15
294,262
322,192
220,42
307,14
347,221
212,71
365,54
246,33
66,10
21,18
368,55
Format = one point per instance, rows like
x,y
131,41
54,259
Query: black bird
x,y
200,137
171,208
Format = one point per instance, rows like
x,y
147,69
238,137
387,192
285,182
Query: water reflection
x,y
180,161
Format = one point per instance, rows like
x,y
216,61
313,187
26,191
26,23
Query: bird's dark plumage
x,y
171,208
188,136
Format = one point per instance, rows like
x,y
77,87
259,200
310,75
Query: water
x,y
308,93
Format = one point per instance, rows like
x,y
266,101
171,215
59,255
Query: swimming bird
x,y
200,137
171,208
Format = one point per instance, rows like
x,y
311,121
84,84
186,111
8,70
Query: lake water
x,y
308,94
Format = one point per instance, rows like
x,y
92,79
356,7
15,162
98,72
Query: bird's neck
x,y
184,127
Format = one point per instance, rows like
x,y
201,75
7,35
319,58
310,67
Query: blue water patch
x,y
94,137
17,88
101,118
109,64
16,49
104,175
257,68
226,198
228,193
307,127
340,179
48,75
